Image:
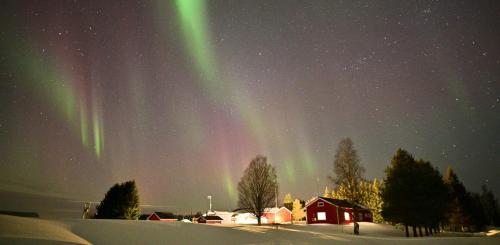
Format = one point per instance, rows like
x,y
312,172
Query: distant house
x,y
210,219
277,215
151,216
335,211
245,218
270,216
226,216
166,217
158,216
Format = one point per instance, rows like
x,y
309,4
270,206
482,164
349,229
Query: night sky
x,y
181,95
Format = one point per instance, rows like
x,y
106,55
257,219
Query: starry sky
x,y
181,95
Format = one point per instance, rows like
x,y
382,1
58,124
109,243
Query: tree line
x,y
413,193
416,194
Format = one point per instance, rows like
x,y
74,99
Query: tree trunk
x,y
430,231
414,231
258,220
426,231
406,231
420,231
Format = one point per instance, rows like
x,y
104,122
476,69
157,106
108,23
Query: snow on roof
x,y
275,209
212,217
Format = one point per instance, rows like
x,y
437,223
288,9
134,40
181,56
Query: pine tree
x,y
466,210
432,196
476,212
456,215
414,193
288,201
398,194
297,211
347,170
120,202
490,207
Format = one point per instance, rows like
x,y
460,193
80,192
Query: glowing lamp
x,y
346,216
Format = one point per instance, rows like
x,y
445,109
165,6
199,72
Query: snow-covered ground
x,y
15,230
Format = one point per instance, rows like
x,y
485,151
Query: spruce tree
x,y
457,217
476,212
120,202
490,206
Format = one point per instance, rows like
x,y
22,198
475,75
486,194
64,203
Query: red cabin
x,y
334,211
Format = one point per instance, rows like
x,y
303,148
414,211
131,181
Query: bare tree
x,y
347,169
258,187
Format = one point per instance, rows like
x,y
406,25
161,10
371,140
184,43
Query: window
x,y
346,216
321,216
321,204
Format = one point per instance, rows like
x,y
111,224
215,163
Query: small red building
x,y
158,216
278,215
210,219
152,216
334,211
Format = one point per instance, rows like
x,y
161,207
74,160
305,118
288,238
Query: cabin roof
x,y
211,217
338,203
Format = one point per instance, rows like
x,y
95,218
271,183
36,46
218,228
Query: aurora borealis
x,y
181,95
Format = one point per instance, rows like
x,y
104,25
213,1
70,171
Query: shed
x,y
158,216
151,216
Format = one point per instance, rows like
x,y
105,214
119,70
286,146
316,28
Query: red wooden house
x,y
277,215
335,211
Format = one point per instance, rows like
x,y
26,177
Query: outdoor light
x,y
346,216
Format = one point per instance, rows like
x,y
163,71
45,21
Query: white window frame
x,y
321,216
